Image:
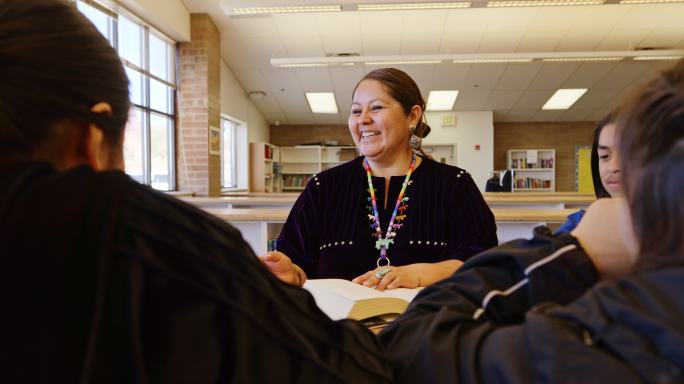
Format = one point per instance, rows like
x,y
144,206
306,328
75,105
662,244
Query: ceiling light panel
x,y
291,9
413,6
572,59
649,1
441,100
303,65
492,61
541,3
653,58
564,98
321,102
403,62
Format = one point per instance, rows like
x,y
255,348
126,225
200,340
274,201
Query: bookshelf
x,y
300,163
532,169
264,160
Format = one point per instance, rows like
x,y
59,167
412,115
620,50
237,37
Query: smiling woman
x,y
392,217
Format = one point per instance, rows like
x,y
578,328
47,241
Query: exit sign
x,y
449,121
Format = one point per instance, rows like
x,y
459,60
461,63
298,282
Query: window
x,y
149,60
234,154
229,152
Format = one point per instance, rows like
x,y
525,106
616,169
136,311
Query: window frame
x,y
113,11
233,125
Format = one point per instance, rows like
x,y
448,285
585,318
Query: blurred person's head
x,y
651,144
605,159
63,93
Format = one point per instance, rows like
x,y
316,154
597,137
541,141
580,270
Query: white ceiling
x,y
515,92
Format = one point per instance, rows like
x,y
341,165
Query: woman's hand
x,y
283,268
606,234
408,276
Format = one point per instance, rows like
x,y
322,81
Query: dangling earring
x,y
414,141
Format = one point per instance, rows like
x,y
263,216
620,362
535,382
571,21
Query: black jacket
x,y
532,311
104,280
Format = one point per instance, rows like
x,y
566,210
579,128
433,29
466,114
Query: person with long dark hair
x,y
104,280
392,217
605,167
600,304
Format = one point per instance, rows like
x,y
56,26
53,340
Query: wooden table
x,y
261,224
494,200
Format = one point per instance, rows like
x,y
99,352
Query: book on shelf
x,y
342,299
295,181
521,163
531,183
271,245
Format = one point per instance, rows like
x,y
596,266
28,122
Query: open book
x,y
341,299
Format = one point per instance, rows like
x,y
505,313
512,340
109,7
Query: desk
x,y
260,225
538,200
553,200
275,201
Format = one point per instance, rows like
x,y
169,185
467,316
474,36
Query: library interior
x,y
297,123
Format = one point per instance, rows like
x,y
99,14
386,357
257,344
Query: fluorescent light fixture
x,y
480,58
441,100
321,102
541,3
292,9
314,65
564,98
649,1
572,59
652,58
413,6
492,61
403,62
303,65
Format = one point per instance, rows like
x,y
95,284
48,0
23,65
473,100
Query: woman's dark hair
x,y
651,129
599,189
401,87
54,66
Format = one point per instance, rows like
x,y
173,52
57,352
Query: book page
x,y
341,299
337,307
356,292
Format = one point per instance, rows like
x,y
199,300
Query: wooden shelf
x,y
264,158
539,176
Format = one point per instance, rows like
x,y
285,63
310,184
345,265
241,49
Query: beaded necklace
x,y
384,243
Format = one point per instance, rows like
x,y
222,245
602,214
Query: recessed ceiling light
x,y
441,100
491,61
651,58
402,62
564,98
571,59
321,102
413,6
541,3
292,9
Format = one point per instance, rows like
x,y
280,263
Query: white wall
x,y
169,16
236,103
472,128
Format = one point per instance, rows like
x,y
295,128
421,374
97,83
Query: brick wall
x,y
563,137
199,100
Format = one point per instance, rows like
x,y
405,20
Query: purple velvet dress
x,y
328,231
